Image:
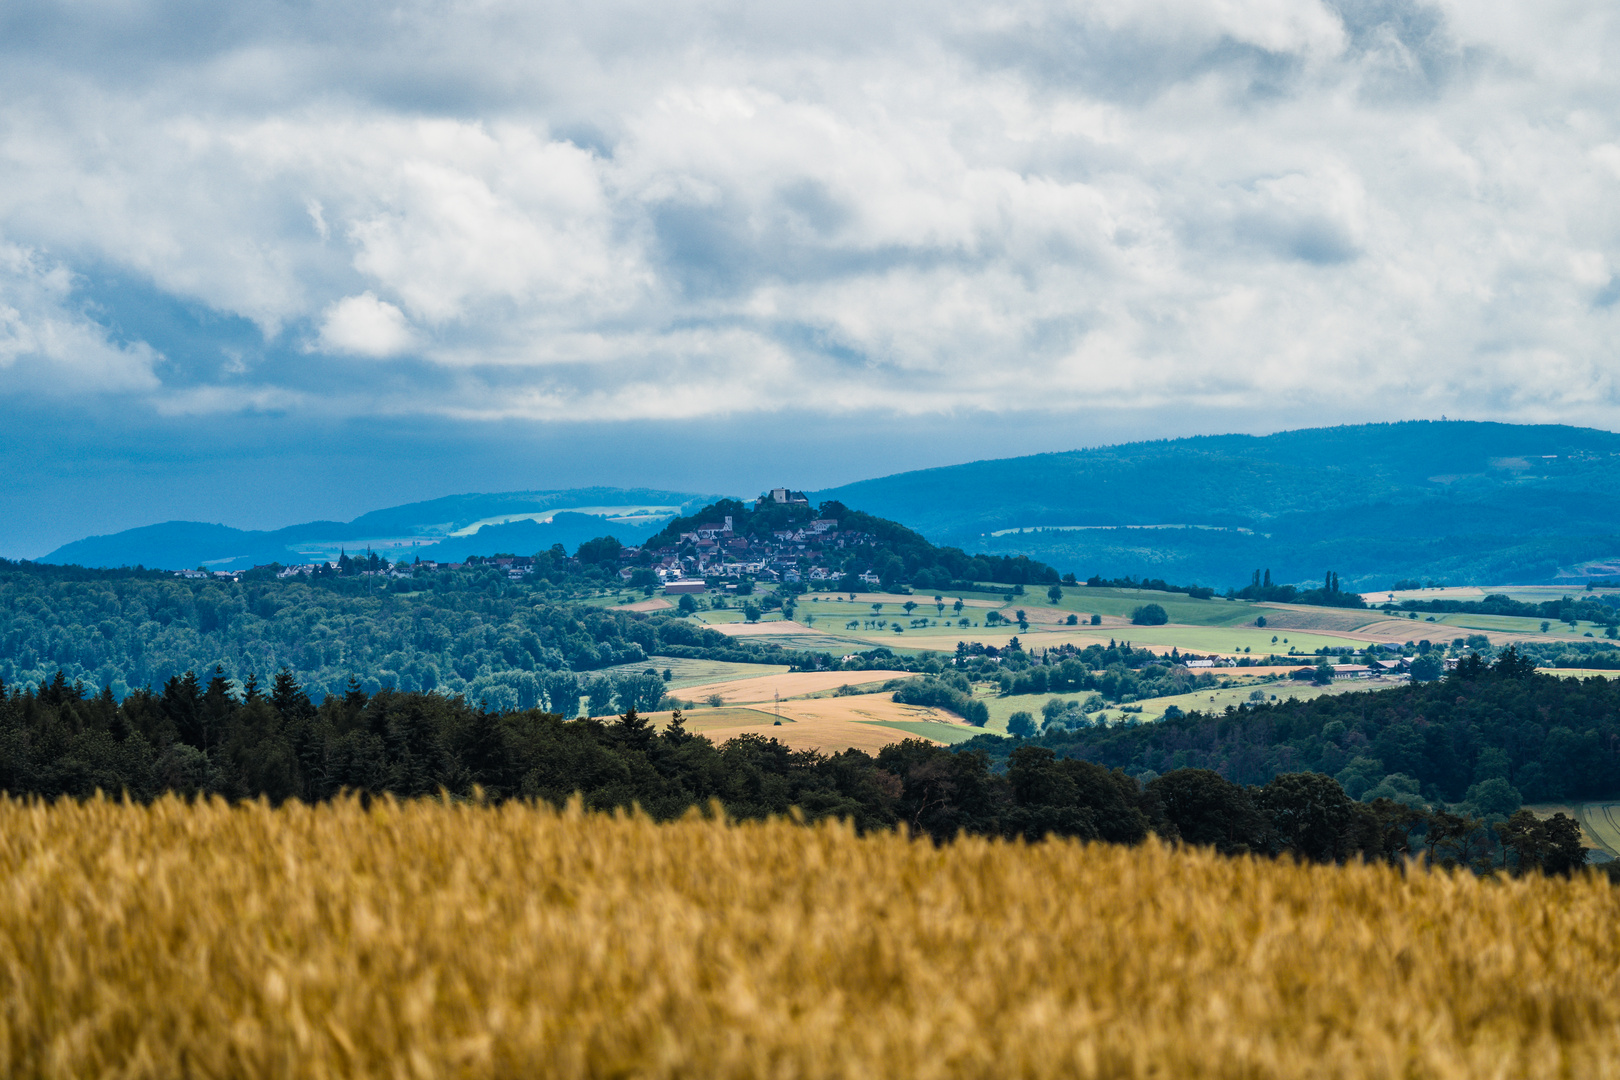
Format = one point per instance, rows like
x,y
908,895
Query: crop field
x,y
866,722
1602,821
1285,617
788,685
1180,607
423,939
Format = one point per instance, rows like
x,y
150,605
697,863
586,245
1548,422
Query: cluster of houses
x,y
209,575
716,550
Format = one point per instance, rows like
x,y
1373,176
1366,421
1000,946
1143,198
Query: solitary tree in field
x,y
957,607
877,608
1054,594
910,606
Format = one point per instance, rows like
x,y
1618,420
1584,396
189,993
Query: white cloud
x,y
365,326
710,207
48,346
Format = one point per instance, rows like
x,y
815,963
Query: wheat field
x,y
418,940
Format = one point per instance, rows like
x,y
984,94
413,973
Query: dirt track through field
x,y
1602,821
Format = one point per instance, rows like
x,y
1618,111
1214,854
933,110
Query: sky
x,y
261,263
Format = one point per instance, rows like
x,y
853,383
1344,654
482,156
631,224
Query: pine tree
x,y
288,697
182,704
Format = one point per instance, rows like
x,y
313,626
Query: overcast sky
x,y
261,257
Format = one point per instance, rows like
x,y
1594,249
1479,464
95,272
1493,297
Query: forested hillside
x,y
898,556
1494,734
470,632
475,631
1457,501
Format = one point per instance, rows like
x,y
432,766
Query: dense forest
x,y
1488,735
472,632
206,740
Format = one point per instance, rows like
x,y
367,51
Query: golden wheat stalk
x,y
424,939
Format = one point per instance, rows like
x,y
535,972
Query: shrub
x,y
934,694
1149,615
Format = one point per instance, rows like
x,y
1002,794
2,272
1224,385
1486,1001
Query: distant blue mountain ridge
x,y
415,530
1455,501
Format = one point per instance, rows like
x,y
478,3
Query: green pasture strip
x,y
711,618
1216,699
696,672
1209,699
1508,624
928,729
1181,608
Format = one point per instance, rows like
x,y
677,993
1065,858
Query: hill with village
x,y
1448,502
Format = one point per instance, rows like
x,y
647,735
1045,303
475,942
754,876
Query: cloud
x,y
710,208
365,326
49,346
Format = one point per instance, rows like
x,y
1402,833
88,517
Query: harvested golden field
x,y
866,708
788,684
656,603
422,940
866,722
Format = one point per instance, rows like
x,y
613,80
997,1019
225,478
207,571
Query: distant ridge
x,y
1461,501
1456,501
420,529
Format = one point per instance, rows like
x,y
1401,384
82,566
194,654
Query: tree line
x,y
1489,736
278,744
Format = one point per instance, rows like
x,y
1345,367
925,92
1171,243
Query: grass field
x,y
689,673
426,940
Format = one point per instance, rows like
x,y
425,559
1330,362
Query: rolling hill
x,y
448,529
1457,501
1454,501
